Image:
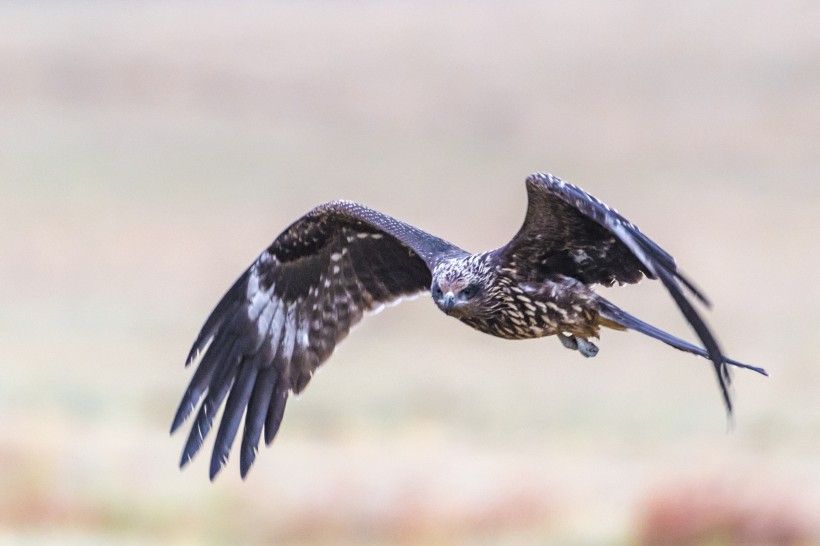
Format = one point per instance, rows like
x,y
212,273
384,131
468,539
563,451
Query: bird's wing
x,y
286,313
569,232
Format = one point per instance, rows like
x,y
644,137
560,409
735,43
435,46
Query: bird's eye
x,y
470,291
436,290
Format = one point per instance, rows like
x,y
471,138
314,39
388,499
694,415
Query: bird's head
x,y
460,287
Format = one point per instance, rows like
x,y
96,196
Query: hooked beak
x,y
448,301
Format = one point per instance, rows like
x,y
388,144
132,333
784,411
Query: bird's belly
x,y
537,319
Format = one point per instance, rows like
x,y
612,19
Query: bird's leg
x,y
586,347
568,341
583,346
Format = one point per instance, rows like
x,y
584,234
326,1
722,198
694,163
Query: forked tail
x,y
609,312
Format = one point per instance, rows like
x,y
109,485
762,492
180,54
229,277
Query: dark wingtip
x,y
186,458
249,449
192,354
216,466
188,454
727,398
723,375
199,430
183,411
245,465
697,292
194,350
275,412
710,343
219,456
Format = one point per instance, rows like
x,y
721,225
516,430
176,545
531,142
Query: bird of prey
x,y
285,314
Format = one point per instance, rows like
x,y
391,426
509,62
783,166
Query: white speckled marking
x,y
290,333
276,324
579,256
304,329
258,299
265,318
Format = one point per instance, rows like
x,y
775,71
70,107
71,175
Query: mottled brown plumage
x,y
284,316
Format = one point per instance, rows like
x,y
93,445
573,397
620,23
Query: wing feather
x,y
222,382
285,314
276,410
234,408
257,411
569,232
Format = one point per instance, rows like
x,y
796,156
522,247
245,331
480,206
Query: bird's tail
x,y
615,317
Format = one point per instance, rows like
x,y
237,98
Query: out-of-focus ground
x,y
149,151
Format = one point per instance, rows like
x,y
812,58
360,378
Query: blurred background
x,y
149,151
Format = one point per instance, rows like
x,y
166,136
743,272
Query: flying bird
x,y
285,314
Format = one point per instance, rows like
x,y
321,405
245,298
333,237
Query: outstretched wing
x,y
283,317
569,232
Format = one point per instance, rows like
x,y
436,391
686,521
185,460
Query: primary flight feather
x,y
285,314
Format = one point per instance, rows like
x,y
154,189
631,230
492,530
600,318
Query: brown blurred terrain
x,y
149,151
